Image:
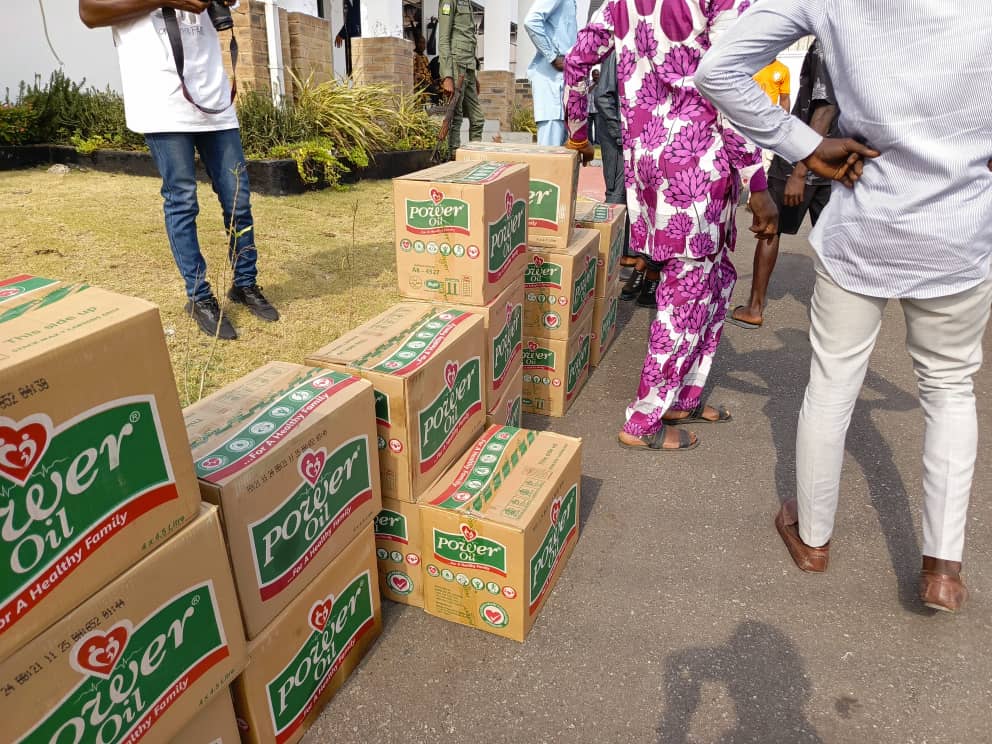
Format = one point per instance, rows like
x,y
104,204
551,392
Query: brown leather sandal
x,y
656,442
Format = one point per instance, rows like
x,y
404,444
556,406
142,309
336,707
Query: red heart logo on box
x,y
468,533
555,511
450,374
22,445
494,616
509,202
538,261
311,465
320,613
98,653
400,583
436,196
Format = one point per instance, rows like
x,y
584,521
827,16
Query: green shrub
x,y
522,120
16,123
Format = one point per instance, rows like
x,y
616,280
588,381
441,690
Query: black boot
x,y
210,319
632,287
252,298
649,293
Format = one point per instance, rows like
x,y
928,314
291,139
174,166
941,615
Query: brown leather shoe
x,y
813,560
941,585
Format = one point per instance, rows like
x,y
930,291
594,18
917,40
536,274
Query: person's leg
x,y
944,338
843,329
472,107
224,160
546,133
174,156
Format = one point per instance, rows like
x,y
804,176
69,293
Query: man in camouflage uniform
x,y
456,40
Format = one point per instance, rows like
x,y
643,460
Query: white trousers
x,y
551,133
944,340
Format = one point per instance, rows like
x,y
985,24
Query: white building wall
x,y
88,54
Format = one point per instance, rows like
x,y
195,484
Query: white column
x,y
335,14
382,18
525,48
496,49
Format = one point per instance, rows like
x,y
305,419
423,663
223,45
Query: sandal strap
x,y
685,439
655,441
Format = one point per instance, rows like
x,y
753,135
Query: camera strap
x,y
176,41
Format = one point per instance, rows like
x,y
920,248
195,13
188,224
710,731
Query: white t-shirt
x,y
153,98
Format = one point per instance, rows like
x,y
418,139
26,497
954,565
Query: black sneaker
x,y
212,321
252,298
649,293
632,287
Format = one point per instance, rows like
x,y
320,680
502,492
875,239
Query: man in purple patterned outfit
x,y
683,168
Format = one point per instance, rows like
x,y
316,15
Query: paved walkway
x,y
680,617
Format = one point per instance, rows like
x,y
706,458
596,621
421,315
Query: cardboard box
x,y
308,652
23,286
95,471
138,659
430,394
215,724
508,410
560,287
499,527
461,231
554,183
397,548
604,324
504,323
290,454
555,371
610,221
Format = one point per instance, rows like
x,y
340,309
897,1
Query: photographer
x,y
181,114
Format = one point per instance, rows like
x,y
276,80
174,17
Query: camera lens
x,y
220,16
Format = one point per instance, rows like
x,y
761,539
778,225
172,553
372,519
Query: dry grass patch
x,y
326,261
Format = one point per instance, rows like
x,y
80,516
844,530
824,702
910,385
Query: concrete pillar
x,y
496,51
496,82
382,18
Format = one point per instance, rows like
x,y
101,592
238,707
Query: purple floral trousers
x,y
693,297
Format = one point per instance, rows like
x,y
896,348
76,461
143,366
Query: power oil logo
x,y
66,491
616,250
584,288
419,346
561,532
336,624
507,238
577,365
539,358
266,430
332,487
132,675
507,344
439,214
381,409
489,462
467,549
444,417
544,200
609,322
391,525
513,411
543,274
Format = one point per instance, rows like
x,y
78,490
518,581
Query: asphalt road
x,y
680,617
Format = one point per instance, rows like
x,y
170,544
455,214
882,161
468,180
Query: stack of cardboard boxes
x,y
118,614
560,280
609,221
288,453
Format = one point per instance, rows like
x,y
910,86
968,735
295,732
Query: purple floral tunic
x,y
683,166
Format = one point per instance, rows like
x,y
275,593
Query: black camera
x,y
220,15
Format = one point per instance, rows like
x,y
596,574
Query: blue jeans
x,y
224,160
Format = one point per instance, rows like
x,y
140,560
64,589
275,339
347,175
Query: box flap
x,y
464,172
597,212
580,243
522,148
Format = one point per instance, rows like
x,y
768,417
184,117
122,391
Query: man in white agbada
x,y
552,26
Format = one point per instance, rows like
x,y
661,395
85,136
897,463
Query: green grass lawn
x,y
326,261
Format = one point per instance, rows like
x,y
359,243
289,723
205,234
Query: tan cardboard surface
x,y
499,527
610,220
503,318
461,231
290,454
604,323
509,408
215,724
398,550
310,649
554,183
138,659
556,371
430,392
560,287
95,469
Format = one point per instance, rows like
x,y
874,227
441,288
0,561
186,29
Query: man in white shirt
x,y
181,116
917,227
